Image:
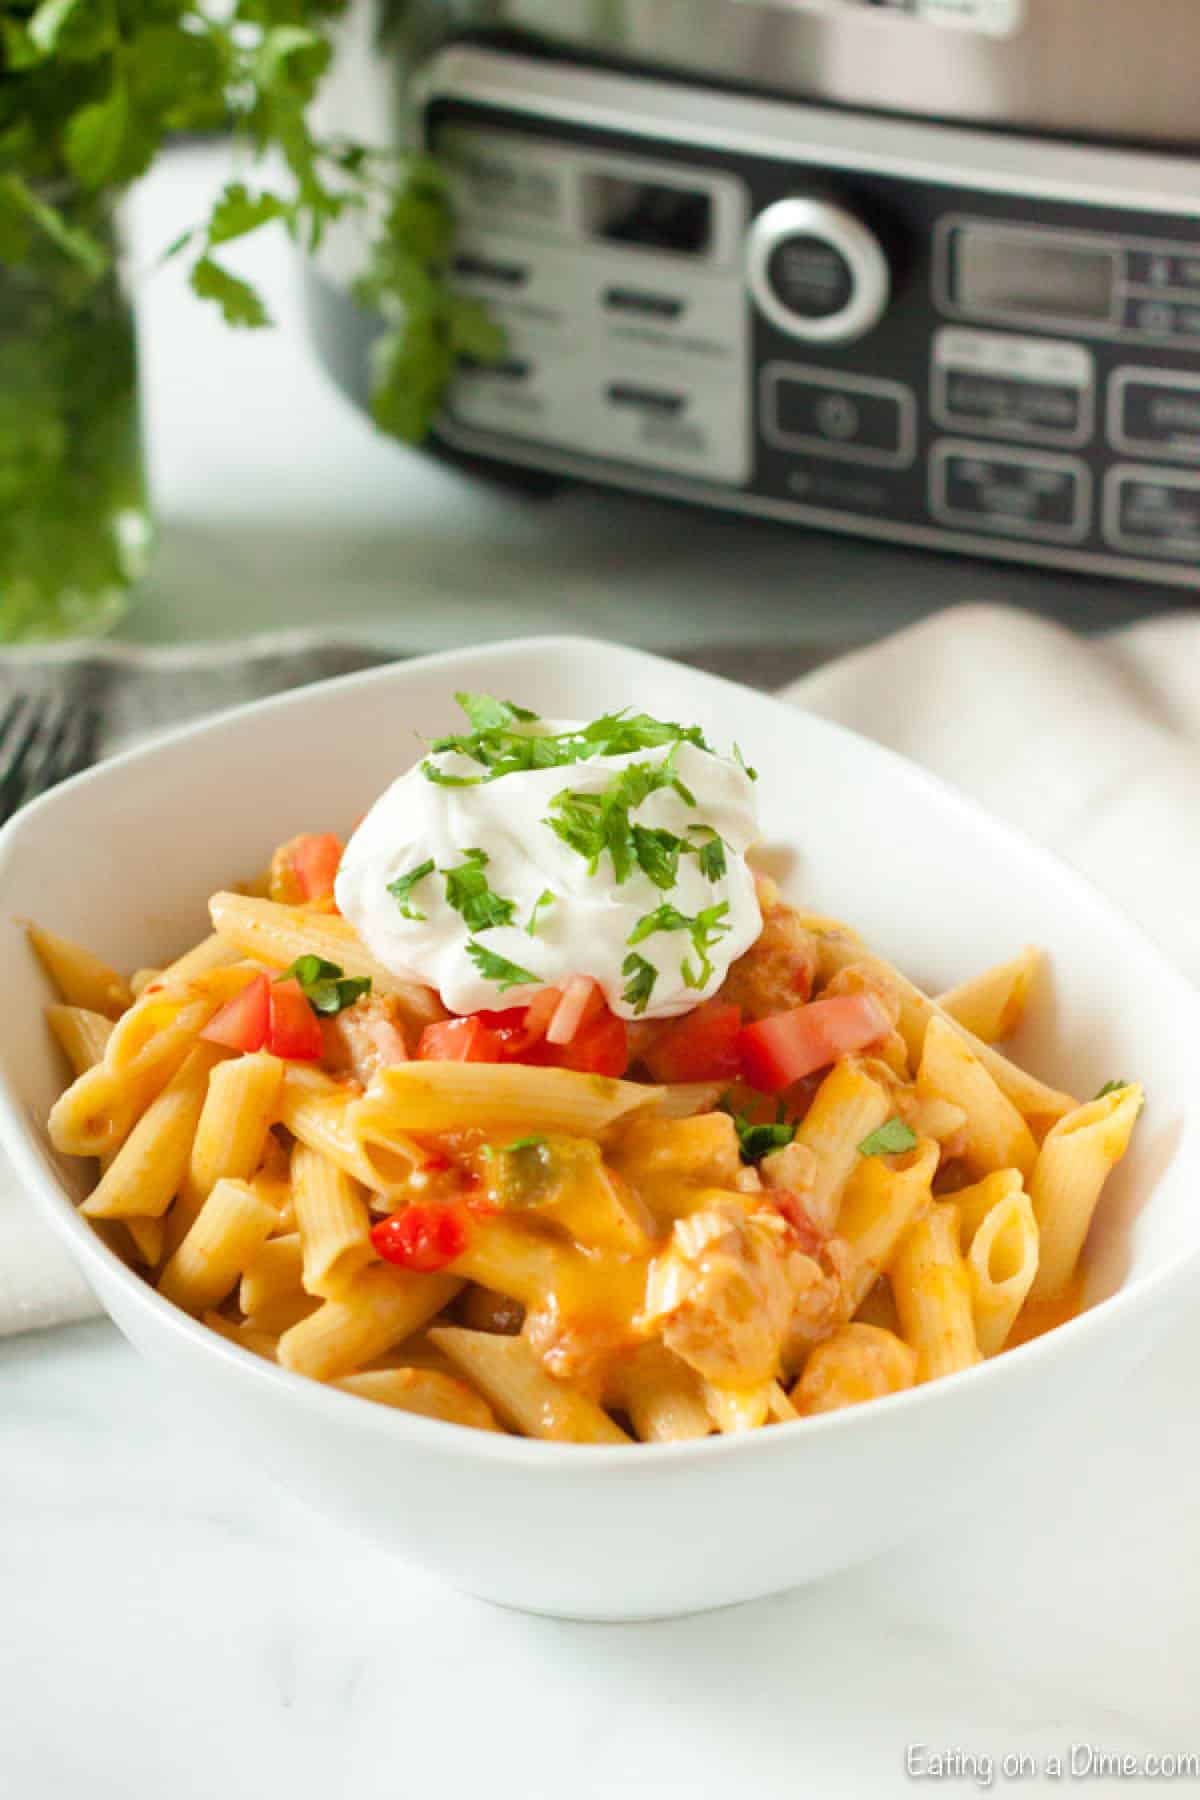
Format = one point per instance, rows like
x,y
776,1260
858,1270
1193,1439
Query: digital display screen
x,y
1032,277
621,210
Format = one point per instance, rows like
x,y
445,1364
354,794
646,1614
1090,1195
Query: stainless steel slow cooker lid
x,y
1107,69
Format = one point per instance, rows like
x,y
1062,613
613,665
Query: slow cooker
x,y
922,270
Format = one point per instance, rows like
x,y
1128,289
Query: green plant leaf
x,y
238,301
76,30
237,212
94,137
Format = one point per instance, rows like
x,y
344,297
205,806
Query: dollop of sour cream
x,y
558,915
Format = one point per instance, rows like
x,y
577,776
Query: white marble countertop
x,y
174,1629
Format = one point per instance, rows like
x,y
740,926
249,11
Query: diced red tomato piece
x,y
600,1048
581,1000
294,1030
468,1039
242,1022
315,858
423,1237
775,1052
702,1046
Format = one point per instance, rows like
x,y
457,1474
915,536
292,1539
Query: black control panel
x,y
861,324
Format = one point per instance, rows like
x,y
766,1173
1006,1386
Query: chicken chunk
x,y
367,1037
779,968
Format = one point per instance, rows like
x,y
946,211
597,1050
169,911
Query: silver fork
x,y
43,739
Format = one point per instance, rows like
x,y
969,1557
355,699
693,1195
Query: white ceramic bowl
x,y
124,857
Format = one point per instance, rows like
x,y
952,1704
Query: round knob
x,y
816,271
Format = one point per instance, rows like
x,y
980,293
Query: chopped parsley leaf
x,y
468,892
499,745
544,899
709,852
704,930
892,1137
486,713
401,889
499,969
534,1142
743,764
639,986
591,823
657,854
326,988
1111,1087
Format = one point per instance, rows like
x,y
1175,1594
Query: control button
x,y
647,305
810,277
1155,411
1176,271
1025,387
1021,493
844,416
1148,317
1154,512
816,271
652,400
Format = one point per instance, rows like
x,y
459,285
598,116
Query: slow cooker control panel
x,y
840,321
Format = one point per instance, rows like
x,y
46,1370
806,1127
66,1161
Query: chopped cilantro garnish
x,y
326,988
544,899
401,889
892,1137
467,891
1111,1087
743,764
533,1142
592,823
500,746
656,853
704,930
757,1141
489,714
499,969
709,851
642,976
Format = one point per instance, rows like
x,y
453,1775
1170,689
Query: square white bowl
x,y
124,858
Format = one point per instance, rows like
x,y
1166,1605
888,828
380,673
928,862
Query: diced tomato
x,y
315,858
467,1039
294,1030
702,1046
581,1000
600,1048
423,1237
539,1012
775,1052
242,1022
798,1217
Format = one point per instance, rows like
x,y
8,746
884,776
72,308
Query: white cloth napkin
x,y
1091,746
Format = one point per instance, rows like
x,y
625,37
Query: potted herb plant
x,y
90,91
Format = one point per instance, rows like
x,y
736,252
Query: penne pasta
x,y
82,1035
210,953
333,1222
149,1239
974,1203
1040,1104
991,1005
380,1308
510,1376
883,1197
273,1274
849,1105
435,1096
260,1343
663,1397
1075,1160
859,1362
322,1114
426,1391
932,1291
738,1409
148,1170
277,935
81,978
240,1107
232,1226
1002,1263
995,1136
